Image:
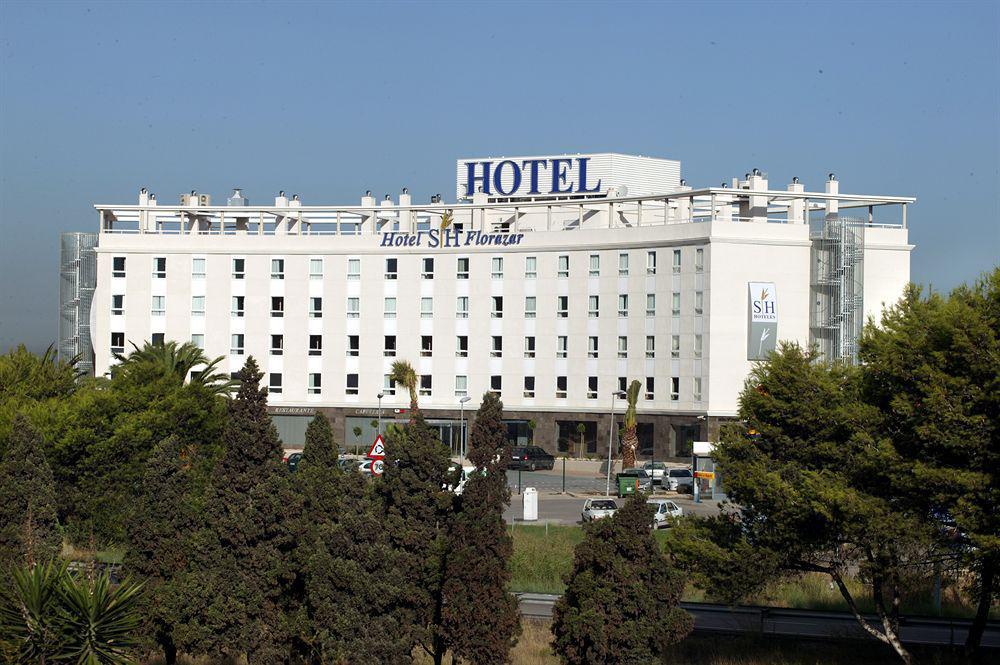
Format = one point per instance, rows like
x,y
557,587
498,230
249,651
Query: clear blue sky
x,y
327,100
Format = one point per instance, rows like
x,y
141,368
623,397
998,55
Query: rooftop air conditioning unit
x,y
205,199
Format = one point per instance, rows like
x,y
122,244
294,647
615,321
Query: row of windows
x,y
425,386
198,266
158,307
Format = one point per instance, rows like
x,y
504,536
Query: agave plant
x,y
30,629
404,374
629,439
178,360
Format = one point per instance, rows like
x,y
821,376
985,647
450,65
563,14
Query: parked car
x,y
666,512
678,480
642,482
466,473
365,467
531,458
293,461
595,509
656,470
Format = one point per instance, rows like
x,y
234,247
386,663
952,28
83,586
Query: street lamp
x,y
461,443
611,434
380,396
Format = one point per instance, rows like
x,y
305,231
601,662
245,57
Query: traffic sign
x,y
378,466
377,450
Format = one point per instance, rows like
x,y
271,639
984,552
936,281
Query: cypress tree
x,y
238,588
481,621
622,596
29,528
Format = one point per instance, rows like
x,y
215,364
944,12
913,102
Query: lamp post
x,y
611,435
461,443
380,396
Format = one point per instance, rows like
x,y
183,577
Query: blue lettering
x,y
432,238
472,178
515,181
582,167
533,165
387,239
560,168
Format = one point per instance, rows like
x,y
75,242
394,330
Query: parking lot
x,y
564,509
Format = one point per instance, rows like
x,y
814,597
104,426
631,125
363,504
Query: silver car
x,y
595,509
656,470
666,512
678,480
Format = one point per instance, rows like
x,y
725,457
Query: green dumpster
x,y
627,485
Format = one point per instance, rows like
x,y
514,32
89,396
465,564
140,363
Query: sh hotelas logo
x,y
762,326
765,308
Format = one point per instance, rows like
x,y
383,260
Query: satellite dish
x,y
618,191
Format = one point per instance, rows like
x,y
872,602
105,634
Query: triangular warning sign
x,y
378,448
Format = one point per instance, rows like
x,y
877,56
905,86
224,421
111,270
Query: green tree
x,y
630,442
29,529
178,360
28,381
933,367
581,429
621,603
357,439
239,581
403,373
480,619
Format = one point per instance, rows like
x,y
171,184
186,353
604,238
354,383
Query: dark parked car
x,y
531,458
293,461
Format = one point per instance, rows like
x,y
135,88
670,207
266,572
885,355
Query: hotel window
x,y
699,260
117,342
563,265
595,265
497,272
675,346
118,266
623,305
593,306
677,261
353,268
236,345
496,350
675,388
390,268
389,308
353,308
530,267
696,389
462,307
388,385
198,268
496,383
428,268
562,342
425,384
239,268
238,306
650,388
650,304
529,347
277,344
561,383
497,307
197,305
623,384
426,346
277,268
591,387
274,383
697,346
622,346
277,306
529,386
353,345
159,305
315,268
157,339
427,308
562,306
461,386
650,346
623,265
530,307
675,305
462,346
699,302
463,268
160,267
351,386
592,347
117,305
315,345
389,346
315,308
651,263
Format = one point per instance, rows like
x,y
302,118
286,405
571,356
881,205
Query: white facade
x,y
690,257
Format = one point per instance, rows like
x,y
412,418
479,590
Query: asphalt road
x,y
565,509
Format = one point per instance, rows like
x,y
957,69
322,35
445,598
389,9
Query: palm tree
x,y
629,440
176,360
404,374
